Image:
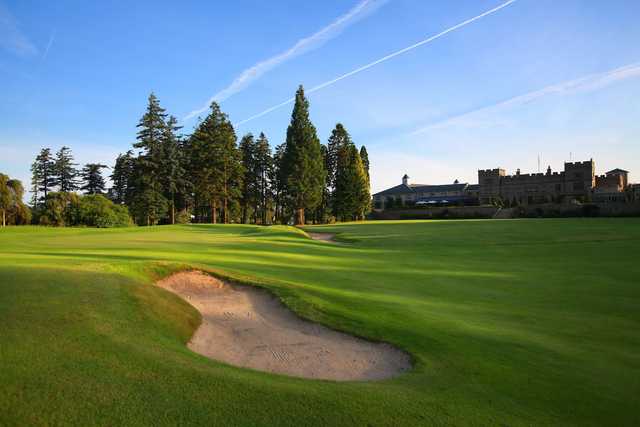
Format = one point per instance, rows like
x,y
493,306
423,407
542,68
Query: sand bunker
x,y
324,237
248,327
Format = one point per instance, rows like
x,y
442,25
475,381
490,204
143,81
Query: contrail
x,y
586,83
306,44
383,59
51,40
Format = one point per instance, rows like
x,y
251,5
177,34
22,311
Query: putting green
x,y
508,322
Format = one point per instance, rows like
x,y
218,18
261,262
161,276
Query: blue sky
x,y
535,78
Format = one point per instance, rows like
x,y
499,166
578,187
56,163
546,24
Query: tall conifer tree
x,y
216,163
66,174
121,177
303,162
264,168
92,178
250,184
148,203
172,176
42,176
365,160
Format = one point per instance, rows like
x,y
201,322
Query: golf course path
x,y
248,327
324,237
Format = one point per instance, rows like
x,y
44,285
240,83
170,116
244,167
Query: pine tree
x,y
65,172
302,161
121,177
365,160
172,165
147,195
42,177
364,156
278,181
323,211
92,178
339,140
250,184
362,193
264,171
216,164
352,195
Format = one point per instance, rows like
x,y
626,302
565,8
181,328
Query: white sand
x,y
248,327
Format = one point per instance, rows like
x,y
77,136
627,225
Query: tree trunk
x,y
300,216
4,218
173,208
214,218
225,214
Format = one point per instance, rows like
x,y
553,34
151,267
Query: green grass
x,y
532,322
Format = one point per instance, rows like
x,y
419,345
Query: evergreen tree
x,y
264,171
92,178
121,177
365,160
278,181
362,192
352,196
302,161
250,185
172,166
323,211
42,177
364,156
339,140
216,164
65,172
149,204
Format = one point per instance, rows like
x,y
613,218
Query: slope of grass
x,y
531,322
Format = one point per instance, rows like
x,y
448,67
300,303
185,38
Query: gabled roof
x,y
616,171
398,189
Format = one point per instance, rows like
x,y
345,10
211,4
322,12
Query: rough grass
x,y
531,322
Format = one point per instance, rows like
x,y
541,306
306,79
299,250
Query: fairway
x,y
515,322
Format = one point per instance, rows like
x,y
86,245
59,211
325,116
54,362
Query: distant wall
x,y
534,211
610,209
453,212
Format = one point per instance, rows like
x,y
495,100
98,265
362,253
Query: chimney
x,y
405,179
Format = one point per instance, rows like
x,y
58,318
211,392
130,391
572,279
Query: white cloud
x,y
492,114
11,38
301,46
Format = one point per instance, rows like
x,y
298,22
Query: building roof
x,y
421,188
617,170
438,188
398,189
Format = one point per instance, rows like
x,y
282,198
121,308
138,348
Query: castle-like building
x,y
578,181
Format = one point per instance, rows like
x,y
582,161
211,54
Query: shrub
x,y
69,209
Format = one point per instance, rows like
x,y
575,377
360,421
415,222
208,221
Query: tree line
x,y
209,176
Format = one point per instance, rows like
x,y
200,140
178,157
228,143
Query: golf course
x,y
512,322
